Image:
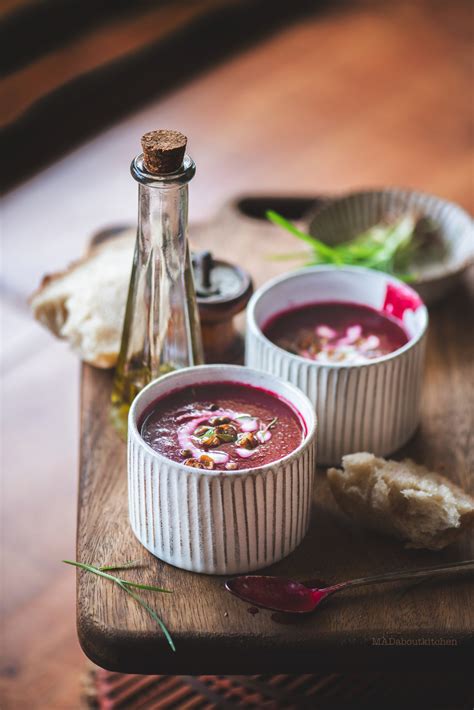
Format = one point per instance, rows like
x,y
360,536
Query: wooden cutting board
x,y
424,627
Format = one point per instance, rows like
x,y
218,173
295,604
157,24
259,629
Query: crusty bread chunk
x,y
401,498
85,304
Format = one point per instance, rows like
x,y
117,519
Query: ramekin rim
x,y
252,323
307,439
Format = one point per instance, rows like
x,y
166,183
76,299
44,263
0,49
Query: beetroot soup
x,y
336,332
224,426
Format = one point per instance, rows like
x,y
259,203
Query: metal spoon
x,y
287,595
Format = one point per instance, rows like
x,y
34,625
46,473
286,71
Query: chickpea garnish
x,y
226,432
201,430
247,440
207,462
194,463
215,421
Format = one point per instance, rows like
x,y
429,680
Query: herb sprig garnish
x,y
125,584
269,425
388,247
133,564
220,430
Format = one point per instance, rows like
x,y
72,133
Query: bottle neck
x,y
163,220
163,211
181,177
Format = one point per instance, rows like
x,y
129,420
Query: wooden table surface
x,y
362,96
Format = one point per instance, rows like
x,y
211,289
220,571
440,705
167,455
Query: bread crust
x,y
85,303
402,499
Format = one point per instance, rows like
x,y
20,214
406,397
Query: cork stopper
x,y
163,151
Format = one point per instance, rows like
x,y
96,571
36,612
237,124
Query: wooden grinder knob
x,y
222,291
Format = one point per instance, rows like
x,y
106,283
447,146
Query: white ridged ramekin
x,y
372,406
219,522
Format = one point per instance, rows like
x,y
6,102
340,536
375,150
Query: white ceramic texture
x,y
344,217
219,522
372,406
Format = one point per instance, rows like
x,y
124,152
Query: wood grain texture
x,y
211,629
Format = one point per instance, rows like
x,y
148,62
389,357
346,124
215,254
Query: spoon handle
x,y
406,574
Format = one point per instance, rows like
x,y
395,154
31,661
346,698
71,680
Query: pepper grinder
x,y
223,290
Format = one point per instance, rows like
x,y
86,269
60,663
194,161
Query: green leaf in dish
x,y
388,246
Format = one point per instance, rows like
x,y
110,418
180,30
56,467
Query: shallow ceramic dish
x,y
343,218
373,406
220,522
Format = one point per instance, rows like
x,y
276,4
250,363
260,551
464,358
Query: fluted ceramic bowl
x,y
435,271
220,522
372,406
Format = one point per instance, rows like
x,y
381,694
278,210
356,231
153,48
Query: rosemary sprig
x,y
101,573
126,565
152,613
125,585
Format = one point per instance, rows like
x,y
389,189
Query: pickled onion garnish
x,y
246,422
245,453
370,343
353,333
325,331
263,436
216,456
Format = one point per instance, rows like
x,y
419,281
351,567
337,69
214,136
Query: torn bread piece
x,y
85,304
403,499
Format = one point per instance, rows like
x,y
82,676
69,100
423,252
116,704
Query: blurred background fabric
x,y
71,67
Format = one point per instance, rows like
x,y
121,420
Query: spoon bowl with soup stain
x,y
292,597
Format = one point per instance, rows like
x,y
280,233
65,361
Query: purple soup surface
x,y
336,332
223,426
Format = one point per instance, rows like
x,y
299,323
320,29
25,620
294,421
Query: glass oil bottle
x,y
161,331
